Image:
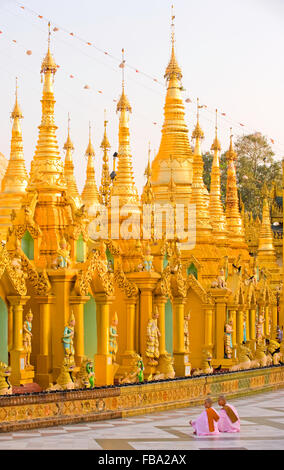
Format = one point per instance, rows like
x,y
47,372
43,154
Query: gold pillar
x,y
44,359
233,317
181,357
103,361
19,375
220,297
160,301
127,357
246,318
252,320
266,323
77,304
10,327
208,335
240,327
62,281
274,321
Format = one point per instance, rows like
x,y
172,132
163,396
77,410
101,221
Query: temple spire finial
x,y
198,133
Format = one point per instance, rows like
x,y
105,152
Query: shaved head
x,y
208,403
222,400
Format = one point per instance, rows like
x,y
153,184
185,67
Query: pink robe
x,y
201,425
225,424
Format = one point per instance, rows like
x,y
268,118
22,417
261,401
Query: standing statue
x,y
27,339
186,331
148,259
153,334
259,326
228,339
113,347
140,374
62,259
67,339
279,334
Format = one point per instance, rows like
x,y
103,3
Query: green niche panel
x,y
165,261
169,326
80,249
27,244
90,328
3,332
192,270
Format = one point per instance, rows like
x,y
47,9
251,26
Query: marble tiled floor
x,y
262,427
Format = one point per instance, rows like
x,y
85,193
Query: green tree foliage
x,y
255,166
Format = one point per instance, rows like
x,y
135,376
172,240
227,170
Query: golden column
x,y
274,321
19,375
103,362
252,320
181,357
266,318
233,317
240,325
160,301
221,297
208,334
77,305
146,282
43,375
126,358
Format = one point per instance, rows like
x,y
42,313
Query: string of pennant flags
x,y
121,64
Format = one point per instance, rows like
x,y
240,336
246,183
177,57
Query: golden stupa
x,y
128,295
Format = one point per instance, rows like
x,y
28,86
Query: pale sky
x,y
230,52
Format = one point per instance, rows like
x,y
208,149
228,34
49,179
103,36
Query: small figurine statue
x,y
186,331
113,347
27,339
67,339
5,384
63,255
259,326
221,279
228,339
91,373
140,373
153,334
110,266
279,334
148,259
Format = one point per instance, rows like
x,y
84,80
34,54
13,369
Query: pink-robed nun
x,y
206,423
229,419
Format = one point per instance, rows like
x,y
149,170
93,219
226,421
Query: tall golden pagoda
x,y
174,152
216,211
124,186
266,254
203,225
90,194
15,179
69,167
233,216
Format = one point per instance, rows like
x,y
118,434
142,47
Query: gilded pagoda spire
x,y
90,194
16,177
105,179
46,167
123,184
233,216
216,211
147,195
265,241
203,227
174,139
69,166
